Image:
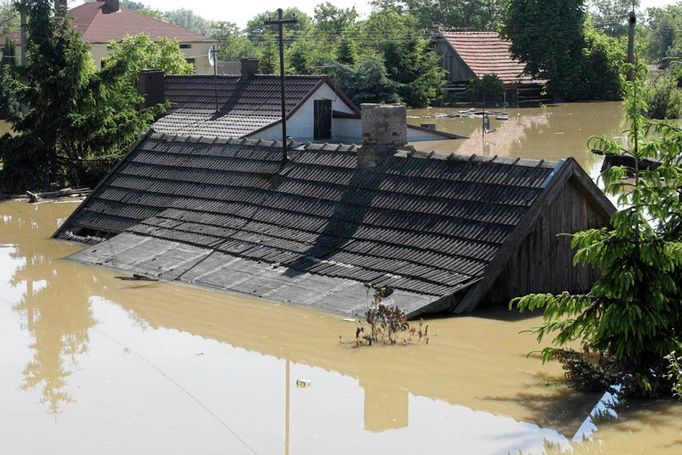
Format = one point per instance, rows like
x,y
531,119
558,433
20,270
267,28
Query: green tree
x,y
366,81
9,17
7,59
74,114
139,52
664,25
132,6
347,51
408,58
269,58
547,35
261,34
332,20
232,44
601,69
187,19
632,316
611,16
487,89
664,98
437,14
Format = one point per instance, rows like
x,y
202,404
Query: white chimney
x,y
384,129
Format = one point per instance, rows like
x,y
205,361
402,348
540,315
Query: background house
x,y
469,55
248,105
104,21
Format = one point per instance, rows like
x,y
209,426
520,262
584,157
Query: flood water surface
x,y
550,133
93,364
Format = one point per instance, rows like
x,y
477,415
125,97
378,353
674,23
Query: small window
x,y
191,61
185,46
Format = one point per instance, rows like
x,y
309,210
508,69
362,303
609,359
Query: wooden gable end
x,y
543,263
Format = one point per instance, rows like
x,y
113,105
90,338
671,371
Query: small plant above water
x,y
387,324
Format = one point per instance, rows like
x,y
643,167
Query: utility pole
x,y
280,22
632,21
24,38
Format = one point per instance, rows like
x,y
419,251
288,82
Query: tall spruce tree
x,y
75,116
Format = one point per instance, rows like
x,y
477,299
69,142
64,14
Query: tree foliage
x,y
665,31
632,316
611,16
7,59
664,98
557,42
232,44
76,117
366,81
547,35
9,16
139,53
438,14
487,89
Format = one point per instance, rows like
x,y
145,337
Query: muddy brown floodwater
x,y
90,364
550,133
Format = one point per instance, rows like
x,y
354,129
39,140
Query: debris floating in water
x,y
303,383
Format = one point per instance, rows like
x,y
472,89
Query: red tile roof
x,y
97,26
487,53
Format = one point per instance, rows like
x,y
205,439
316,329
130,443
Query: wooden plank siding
x,y
544,261
457,70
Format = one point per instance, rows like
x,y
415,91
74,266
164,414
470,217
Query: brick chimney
x,y
111,6
151,85
249,68
384,129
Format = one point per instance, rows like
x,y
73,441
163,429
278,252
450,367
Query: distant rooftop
x,y
100,24
487,53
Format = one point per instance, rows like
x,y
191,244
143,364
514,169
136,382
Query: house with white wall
x,y
104,21
248,105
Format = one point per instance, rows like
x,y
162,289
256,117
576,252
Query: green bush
x,y
664,99
488,89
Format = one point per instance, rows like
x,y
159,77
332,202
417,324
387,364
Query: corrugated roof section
x,y
226,106
487,53
418,223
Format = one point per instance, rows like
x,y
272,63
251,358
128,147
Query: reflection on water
x,y
91,364
550,133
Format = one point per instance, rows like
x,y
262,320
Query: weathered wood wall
x,y
457,70
543,262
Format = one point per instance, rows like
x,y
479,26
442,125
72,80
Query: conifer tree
x,y
632,316
75,117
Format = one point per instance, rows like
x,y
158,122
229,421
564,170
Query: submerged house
x,y
469,55
247,105
446,233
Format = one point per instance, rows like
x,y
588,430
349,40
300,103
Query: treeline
x,y
388,56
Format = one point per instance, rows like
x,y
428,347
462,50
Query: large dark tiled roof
x,y
424,225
